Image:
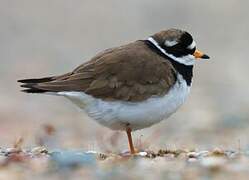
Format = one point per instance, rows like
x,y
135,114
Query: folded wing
x,y
130,73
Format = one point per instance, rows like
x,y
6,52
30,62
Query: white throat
x,y
186,60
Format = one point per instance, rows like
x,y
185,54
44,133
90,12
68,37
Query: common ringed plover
x,y
129,87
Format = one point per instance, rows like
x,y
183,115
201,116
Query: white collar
x,y
186,60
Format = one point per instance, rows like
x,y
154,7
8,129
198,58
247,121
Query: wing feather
x,y
132,73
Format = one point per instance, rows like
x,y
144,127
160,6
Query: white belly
x,y
118,115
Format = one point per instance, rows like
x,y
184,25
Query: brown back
x,y
132,72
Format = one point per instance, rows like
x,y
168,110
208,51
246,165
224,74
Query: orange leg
x,y
128,131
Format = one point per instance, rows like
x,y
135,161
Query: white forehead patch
x,y
192,45
170,43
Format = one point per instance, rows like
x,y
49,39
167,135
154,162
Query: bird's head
x,y
179,45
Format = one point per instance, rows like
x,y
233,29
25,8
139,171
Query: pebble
x,y
143,154
218,152
232,154
203,153
70,158
198,155
192,154
2,152
13,150
92,152
39,150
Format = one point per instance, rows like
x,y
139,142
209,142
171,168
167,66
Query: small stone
x,y
92,152
217,152
70,158
162,152
232,154
151,154
192,154
39,150
203,153
13,150
102,156
2,152
142,154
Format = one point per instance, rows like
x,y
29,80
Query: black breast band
x,y
184,70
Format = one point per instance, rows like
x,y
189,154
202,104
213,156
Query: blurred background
x,y
42,38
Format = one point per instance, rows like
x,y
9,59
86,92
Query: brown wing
x,y
131,73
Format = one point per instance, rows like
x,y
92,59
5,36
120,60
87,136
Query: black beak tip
x,y
205,57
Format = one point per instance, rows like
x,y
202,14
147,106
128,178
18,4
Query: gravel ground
x,y
41,163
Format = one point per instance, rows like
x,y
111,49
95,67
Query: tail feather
x,y
65,82
32,86
40,80
33,90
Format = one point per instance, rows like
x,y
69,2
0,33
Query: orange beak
x,y
200,55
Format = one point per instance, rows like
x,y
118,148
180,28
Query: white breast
x,y
138,115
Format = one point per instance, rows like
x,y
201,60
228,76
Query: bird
x,y
130,87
